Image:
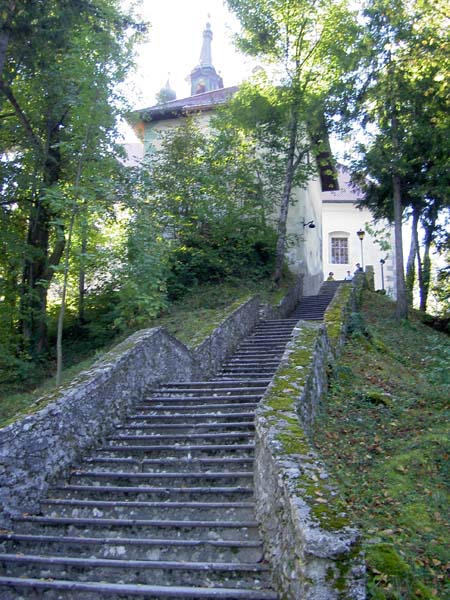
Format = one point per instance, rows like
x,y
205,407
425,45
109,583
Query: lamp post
x,y
361,235
382,261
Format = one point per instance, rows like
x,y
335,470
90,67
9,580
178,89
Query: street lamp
x,y
361,235
382,261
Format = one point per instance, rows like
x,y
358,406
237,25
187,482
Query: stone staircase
x,y
165,507
312,308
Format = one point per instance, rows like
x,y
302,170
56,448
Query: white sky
x,y
173,48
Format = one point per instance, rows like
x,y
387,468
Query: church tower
x,y
204,77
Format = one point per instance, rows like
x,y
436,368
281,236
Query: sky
x,y
173,48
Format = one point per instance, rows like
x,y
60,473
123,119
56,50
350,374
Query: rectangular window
x,y
339,251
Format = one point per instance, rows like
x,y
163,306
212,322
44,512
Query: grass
x,y
190,320
384,435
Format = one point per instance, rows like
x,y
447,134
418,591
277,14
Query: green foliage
x,y
223,250
60,64
356,326
142,293
403,102
307,45
207,198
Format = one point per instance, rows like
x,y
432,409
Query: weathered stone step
x,y
73,590
206,384
224,407
135,571
183,479
183,528
187,428
182,399
214,417
282,323
181,440
185,451
134,548
257,369
255,353
214,389
262,345
139,509
153,493
261,360
161,465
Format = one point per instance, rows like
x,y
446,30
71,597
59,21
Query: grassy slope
x,y
190,320
384,434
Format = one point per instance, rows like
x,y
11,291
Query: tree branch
x,y
8,93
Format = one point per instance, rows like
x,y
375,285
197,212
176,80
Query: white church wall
x,y
341,221
305,248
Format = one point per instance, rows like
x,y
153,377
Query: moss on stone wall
x,y
336,314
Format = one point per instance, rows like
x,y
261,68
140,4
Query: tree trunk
x,y
411,263
285,200
425,273
82,273
39,263
59,354
401,311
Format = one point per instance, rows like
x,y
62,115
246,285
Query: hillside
x,y
384,434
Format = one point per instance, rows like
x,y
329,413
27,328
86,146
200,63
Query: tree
x,y
207,193
61,62
310,44
403,99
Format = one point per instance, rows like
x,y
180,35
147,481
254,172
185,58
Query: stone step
x,y
178,439
32,589
148,493
262,345
134,548
148,528
162,465
257,354
140,509
186,429
270,338
151,493
183,479
262,360
214,389
260,370
206,384
192,410
213,417
136,571
182,398
178,451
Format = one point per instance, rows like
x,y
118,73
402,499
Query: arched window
x,y
339,247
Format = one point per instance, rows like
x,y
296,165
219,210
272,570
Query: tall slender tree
x,y
404,100
308,45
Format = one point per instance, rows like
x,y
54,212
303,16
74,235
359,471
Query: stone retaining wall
x,y
310,542
287,304
212,353
37,448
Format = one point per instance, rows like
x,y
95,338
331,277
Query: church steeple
x,y
204,77
205,54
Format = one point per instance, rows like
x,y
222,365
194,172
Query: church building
x,y
307,251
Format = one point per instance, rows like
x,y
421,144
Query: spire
x,y
205,55
204,77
